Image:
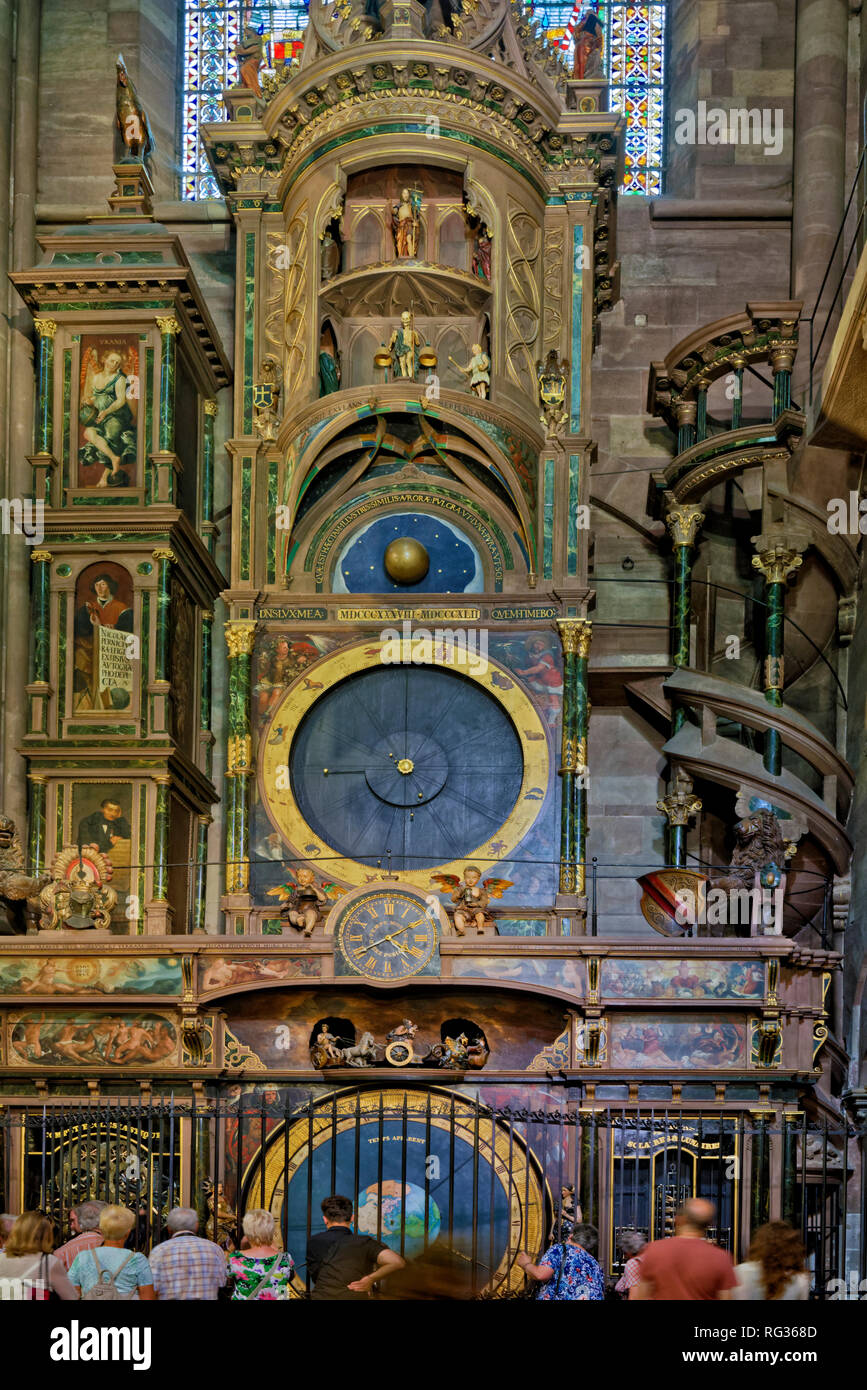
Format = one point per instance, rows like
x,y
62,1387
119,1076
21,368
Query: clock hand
x,y
392,936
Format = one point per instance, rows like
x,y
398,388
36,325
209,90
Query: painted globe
x,y
406,561
401,1206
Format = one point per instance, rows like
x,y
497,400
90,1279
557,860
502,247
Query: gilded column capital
x,y
776,562
679,805
575,636
210,407
686,412
207,615
168,325
240,636
782,358
683,524
45,328
165,555
43,557
163,779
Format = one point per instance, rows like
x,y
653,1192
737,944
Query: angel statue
x,y
304,899
133,126
471,898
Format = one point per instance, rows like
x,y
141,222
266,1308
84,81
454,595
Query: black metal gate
x,y
456,1186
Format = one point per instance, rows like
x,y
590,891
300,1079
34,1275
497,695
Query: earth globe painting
x,y
367,1167
400,1208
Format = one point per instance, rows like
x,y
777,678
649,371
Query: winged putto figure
x,y
471,896
305,901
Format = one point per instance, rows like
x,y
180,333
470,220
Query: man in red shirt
x,y
686,1266
84,1228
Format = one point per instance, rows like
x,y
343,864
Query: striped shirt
x,y
188,1267
87,1240
631,1275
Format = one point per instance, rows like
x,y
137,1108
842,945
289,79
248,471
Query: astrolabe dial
x,y
387,935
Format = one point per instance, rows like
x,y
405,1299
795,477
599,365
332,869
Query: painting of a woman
x,y
107,415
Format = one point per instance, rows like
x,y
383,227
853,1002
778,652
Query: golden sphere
x,y
406,561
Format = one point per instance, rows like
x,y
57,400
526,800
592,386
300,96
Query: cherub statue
x,y
406,223
304,899
471,898
478,369
19,893
250,54
135,137
404,345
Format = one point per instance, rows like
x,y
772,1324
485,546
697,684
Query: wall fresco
x,y
621,978
90,975
646,1040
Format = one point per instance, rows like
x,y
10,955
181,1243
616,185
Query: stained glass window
x,y
212,29
635,64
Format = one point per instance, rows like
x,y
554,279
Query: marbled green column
x,y
161,838
686,412
36,844
782,362
738,399
201,885
46,329
206,685
701,416
575,635
41,615
164,559
210,413
683,524
777,559
679,806
240,635
169,330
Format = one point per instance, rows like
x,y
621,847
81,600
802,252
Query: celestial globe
x,y
406,561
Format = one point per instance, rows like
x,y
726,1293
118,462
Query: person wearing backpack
x,y
28,1270
111,1271
260,1271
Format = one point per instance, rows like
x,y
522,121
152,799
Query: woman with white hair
x,y
260,1270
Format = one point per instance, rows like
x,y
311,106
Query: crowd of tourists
x,y
96,1263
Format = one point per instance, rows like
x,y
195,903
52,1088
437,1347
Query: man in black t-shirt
x,y
344,1265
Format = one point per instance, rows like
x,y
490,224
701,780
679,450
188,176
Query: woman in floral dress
x,y
568,1272
261,1271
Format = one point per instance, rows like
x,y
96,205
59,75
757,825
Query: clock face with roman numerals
x,y
387,935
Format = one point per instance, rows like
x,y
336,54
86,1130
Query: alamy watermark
x,y
23,517
421,646
756,908
737,126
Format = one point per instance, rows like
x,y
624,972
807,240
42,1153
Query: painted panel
x,y
621,978
225,972
90,975
646,1040
555,973
85,1039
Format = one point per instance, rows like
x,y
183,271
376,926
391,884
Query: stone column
x,y
18,481
240,635
208,525
678,806
778,557
683,524
818,184
38,688
164,461
575,635
760,1170
739,364
789,1202
164,559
